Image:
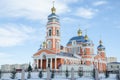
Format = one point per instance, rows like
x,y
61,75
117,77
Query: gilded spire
x,y
86,37
100,42
53,8
44,44
79,32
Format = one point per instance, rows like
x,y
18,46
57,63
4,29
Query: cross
x,y
53,3
85,31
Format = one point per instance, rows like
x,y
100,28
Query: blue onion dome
x,y
79,32
53,15
86,39
100,47
78,38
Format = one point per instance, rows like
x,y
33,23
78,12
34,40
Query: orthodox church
x,y
79,50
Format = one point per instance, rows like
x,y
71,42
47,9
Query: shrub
x,y
80,73
0,74
13,74
67,74
40,74
29,68
52,74
117,77
106,74
93,74
29,75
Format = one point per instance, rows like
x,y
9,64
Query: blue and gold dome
x,y
101,46
53,15
87,41
78,39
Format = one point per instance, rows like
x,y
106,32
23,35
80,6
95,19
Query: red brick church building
x,y
78,51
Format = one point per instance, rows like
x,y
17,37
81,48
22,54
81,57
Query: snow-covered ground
x,y
58,76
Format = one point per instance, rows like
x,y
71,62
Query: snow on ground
x,y
34,76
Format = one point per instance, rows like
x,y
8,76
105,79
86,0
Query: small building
x,y
113,66
10,67
6,68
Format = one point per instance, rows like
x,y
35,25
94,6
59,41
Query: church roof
x,y
114,63
77,39
44,50
100,47
66,54
53,16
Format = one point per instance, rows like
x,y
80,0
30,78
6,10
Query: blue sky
x,y
23,25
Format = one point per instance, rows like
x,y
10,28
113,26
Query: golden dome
x,y
53,9
44,44
86,37
79,32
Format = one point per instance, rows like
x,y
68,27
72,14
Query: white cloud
x,y
13,34
85,12
98,3
70,1
30,9
69,20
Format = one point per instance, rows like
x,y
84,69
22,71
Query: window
x,y
117,66
49,63
73,42
50,32
49,44
84,62
84,51
111,66
58,33
44,57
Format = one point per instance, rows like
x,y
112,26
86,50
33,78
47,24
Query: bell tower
x,y
101,52
101,49
53,31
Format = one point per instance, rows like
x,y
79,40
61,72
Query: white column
x,y
37,62
46,63
55,63
41,63
51,63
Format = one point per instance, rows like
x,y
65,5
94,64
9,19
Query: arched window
x,y
78,49
73,50
84,51
74,42
49,44
50,32
58,33
44,57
